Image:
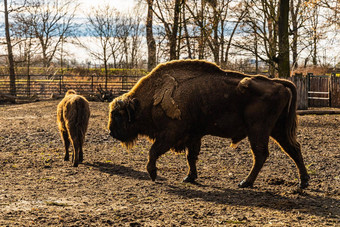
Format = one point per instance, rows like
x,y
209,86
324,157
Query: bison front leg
x,y
192,156
260,152
157,149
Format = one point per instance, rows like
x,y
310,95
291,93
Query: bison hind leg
x,y
76,147
294,152
66,141
81,154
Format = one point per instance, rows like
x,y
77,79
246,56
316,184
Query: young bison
x,y
73,115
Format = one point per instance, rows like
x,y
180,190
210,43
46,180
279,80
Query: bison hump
x,y
163,96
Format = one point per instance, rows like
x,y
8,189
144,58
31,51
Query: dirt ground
x,y
111,187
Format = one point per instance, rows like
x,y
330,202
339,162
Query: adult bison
x,y
179,102
73,115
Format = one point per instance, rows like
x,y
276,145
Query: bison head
x,y
121,119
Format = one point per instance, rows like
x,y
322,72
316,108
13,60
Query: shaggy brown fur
x,y
181,101
73,115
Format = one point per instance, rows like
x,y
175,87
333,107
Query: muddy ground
x,y
111,187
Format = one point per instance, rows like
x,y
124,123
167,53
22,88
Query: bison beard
x,y
179,102
73,115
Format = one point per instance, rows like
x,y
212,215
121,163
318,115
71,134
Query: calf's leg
x,y
76,146
75,156
66,141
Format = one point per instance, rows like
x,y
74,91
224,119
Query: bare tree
x,y
211,17
262,19
334,7
298,17
129,35
102,29
136,34
169,14
52,23
314,31
9,51
24,33
149,37
283,54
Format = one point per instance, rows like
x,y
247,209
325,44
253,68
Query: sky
x,y
120,5
82,11
124,5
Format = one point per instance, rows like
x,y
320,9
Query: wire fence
x,y
47,86
313,91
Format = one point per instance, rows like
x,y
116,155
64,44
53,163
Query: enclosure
x,y
313,90
112,186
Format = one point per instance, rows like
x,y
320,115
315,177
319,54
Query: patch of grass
x,y
234,222
46,178
311,171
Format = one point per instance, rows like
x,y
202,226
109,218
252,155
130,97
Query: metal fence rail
x,y
45,86
313,91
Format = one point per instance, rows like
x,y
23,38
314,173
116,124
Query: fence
x,y
45,86
302,89
334,88
317,91
313,91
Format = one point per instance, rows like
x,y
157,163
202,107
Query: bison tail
x,y
291,115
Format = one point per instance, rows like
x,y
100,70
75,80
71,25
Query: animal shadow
x,y
116,169
253,198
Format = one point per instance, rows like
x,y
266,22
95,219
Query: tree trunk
x,y
294,15
215,42
272,47
256,53
106,70
201,41
315,41
186,35
283,64
173,38
10,54
149,38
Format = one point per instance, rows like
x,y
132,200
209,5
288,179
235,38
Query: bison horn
x,y
120,103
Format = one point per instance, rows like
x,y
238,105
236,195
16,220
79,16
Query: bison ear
x,y
131,108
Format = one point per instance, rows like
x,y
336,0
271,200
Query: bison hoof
x,y
75,164
153,174
67,159
245,184
189,179
304,183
